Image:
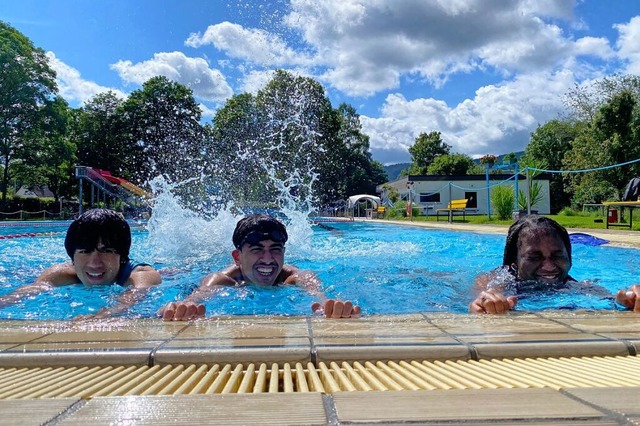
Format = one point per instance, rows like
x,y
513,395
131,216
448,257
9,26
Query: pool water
x,y
386,269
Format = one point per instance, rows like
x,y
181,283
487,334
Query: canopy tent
x,y
354,199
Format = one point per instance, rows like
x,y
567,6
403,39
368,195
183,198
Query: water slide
x,y
123,183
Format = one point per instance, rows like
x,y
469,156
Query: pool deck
x,y
551,367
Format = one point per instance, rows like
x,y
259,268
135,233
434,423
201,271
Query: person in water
x,y
98,243
537,257
258,257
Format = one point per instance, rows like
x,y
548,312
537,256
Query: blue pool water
x,y
385,268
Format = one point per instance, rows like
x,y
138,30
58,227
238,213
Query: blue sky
x,y
484,73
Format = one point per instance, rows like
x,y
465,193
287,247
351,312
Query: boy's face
x,y
542,257
260,261
98,266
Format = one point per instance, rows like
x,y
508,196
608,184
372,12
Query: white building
x,y
431,192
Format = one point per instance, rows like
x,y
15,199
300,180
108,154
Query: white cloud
x,y
72,86
497,120
195,73
368,46
595,46
253,45
628,45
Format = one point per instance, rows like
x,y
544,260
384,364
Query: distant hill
x,y
393,170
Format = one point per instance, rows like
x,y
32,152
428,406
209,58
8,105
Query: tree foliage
x,y
454,164
26,84
163,128
611,138
426,148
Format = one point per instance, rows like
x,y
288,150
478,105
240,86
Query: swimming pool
x,y
387,269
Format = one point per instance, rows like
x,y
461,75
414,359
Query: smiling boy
x,y
98,243
259,242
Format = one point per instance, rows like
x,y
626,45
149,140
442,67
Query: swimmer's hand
x,y
630,298
181,311
492,302
336,309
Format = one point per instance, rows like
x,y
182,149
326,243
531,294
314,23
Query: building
x,y
431,192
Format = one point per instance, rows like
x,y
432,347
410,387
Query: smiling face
x,y
260,262
542,256
97,266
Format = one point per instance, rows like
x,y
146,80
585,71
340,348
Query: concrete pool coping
x,y
552,367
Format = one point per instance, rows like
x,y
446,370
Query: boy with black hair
x,y
259,242
98,243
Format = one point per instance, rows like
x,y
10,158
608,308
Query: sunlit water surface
x,y
386,269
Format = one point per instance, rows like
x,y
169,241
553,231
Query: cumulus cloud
x,y
628,46
367,46
195,73
498,119
253,45
72,86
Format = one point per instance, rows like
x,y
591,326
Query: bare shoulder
x,y
293,275
60,274
227,276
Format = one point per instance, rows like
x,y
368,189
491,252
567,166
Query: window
x,y
432,197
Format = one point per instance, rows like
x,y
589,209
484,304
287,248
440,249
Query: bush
x,y
502,198
399,209
568,211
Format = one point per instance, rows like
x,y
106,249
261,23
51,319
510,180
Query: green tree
x,y
26,83
102,138
454,165
611,138
426,148
584,101
548,145
49,156
163,122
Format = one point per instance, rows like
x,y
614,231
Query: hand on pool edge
x,y
336,309
492,302
630,298
181,311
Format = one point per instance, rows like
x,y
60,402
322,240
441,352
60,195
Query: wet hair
x,y
532,223
99,225
259,227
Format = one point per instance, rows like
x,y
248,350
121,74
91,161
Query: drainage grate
x,y
89,382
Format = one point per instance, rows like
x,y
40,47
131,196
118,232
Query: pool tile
x,y
623,401
79,353
246,328
561,348
617,322
487,405
491,324
33,411
409,349
527,337
224,350
233,409
374,326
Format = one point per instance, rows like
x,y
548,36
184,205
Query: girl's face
x,y
542,256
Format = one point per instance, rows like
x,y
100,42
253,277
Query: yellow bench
x,y
454,206
380,211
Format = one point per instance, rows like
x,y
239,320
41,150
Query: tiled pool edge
x,y
238,339
428,336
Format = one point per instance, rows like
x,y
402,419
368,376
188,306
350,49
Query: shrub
x,y
502,198
568,211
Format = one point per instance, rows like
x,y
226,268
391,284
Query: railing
x,y
42,214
